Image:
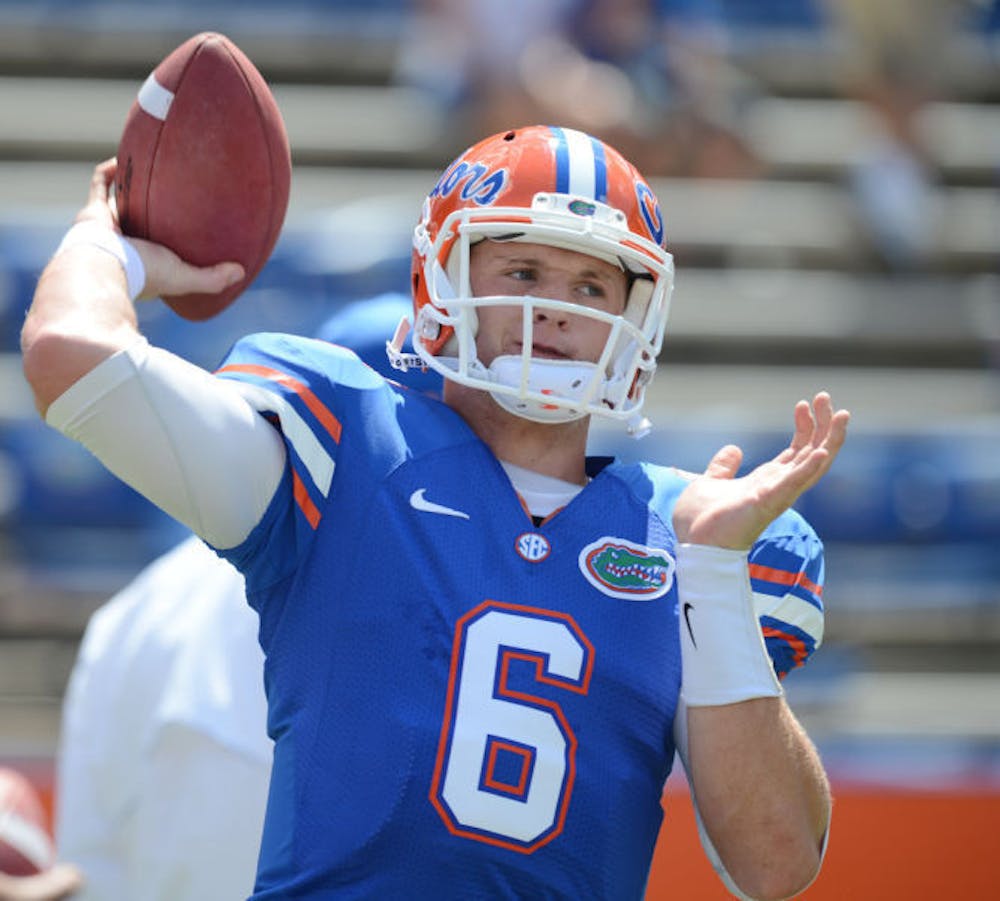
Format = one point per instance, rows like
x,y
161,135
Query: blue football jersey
x,y
464,704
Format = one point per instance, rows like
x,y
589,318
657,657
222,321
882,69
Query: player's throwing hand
x,y
166,274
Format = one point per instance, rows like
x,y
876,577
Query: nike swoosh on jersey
x,y
418,502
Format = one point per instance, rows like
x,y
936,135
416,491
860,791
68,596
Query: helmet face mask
x,y
558,188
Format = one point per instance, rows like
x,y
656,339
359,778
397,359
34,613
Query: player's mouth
x,y
543,351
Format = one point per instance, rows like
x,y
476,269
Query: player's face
x,y
513,268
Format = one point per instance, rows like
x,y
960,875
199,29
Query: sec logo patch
x,y
532,547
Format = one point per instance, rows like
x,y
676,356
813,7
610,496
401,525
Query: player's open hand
x,y
719,509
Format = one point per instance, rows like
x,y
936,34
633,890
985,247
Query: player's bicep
x,y
181,437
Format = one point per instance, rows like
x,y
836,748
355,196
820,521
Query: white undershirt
x,y
542,494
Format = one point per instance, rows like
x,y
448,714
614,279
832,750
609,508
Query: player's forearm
x,y
758,782
80,315
762,793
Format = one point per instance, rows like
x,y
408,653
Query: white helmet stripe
x,y
580,165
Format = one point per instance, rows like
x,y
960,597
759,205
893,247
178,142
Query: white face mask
x,y
540,389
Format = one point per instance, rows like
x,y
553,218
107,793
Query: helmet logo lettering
x,y
650,210
479,185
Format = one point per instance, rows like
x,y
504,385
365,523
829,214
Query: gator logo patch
x,y
621,569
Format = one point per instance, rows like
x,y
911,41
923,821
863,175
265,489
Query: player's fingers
x,y
813,423
167,275
98,206
785,484
100,181
823,414
837,431
812,467
801,437
60,881
226,274
726,462
207,279
109,168
814,459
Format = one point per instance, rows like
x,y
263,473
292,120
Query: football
x,y
204,165
26,847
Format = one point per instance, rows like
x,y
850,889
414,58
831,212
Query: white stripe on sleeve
x,y
792,610
317,461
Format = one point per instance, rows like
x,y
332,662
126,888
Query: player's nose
x,y
555,318
553,291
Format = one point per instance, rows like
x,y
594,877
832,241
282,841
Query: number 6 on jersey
x,y
506,760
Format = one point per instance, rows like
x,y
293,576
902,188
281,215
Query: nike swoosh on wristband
x,y
687,621
418,502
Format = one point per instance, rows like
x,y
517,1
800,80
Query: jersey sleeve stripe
x,y
798,647
301,494
317,461
322,413
792,611
783,577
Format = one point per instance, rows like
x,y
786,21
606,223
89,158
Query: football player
x,y
482,647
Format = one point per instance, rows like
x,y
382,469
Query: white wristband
x,y
94,234
723,656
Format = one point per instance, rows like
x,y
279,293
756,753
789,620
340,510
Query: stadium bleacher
x,y
779,292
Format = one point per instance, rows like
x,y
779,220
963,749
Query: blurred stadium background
x,y
831,198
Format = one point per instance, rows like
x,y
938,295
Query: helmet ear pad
x,y
636,312
452,272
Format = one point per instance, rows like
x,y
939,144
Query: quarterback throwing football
x,y
483,648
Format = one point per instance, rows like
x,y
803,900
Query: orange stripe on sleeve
x,y
783,577
315,405
301,495
797,644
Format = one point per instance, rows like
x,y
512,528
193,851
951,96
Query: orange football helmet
x,y
553,186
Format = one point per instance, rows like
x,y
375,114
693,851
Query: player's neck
x,y
557,450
